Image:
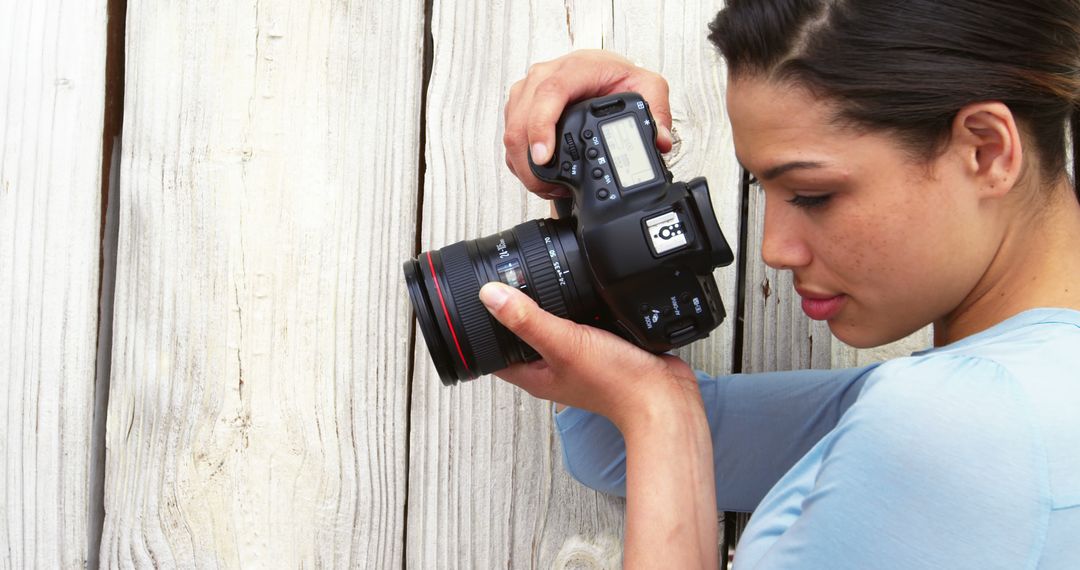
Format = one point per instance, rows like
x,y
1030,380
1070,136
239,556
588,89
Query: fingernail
x,y
539,153
494,295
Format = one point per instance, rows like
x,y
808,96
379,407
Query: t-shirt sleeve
x,y
938,465
761,425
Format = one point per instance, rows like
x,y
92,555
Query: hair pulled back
x,y
909,66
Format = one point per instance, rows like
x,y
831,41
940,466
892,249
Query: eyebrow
x,y
788,167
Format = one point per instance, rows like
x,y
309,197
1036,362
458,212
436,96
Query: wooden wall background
x,y
206,348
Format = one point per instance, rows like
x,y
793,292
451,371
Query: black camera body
x,y
651,243
632,251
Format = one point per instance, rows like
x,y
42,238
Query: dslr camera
x,y
632,251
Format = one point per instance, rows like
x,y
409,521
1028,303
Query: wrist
x,y
677,407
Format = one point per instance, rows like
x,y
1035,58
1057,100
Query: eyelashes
x,y
799,201
809,202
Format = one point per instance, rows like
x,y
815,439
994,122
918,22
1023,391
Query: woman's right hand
x,y
536,102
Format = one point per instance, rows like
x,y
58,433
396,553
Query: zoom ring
x,y
545,281
474,318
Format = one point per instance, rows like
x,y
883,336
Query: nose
x,y
782,245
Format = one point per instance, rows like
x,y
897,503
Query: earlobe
x,y
992,146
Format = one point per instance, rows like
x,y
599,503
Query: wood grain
x,y
52,63
257,415
487,488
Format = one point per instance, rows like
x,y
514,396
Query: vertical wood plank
x,y
487,489
269,185
52,64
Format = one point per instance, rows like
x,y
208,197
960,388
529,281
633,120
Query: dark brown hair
x,y
908,66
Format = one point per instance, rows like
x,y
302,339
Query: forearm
x,y
671,497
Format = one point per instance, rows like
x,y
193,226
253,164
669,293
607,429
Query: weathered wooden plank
x,y
52,61
486,484
269,180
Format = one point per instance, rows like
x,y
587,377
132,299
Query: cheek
x,y
911,258
887,247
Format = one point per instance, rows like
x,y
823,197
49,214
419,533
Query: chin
x,y
857,336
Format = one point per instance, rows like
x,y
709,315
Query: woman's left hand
x,y
587,367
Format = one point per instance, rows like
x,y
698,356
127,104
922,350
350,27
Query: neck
x,y
1037,265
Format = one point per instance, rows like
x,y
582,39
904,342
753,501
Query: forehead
x,y
773,123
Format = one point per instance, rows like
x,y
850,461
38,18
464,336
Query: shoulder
x,y
953,389
945,398
954,423
936,465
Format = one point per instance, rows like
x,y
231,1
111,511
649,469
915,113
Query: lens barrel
x,y
538,257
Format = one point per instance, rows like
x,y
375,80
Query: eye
x,y
809,202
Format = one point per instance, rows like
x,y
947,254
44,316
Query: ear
x,y
988,138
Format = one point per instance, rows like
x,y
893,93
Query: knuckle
x,y
520,320
659,80
550,86
514,141
538,127
516,88
539,68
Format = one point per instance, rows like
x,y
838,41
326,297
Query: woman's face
x,y
880,244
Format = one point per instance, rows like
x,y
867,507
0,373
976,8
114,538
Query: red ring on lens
x,y
449,323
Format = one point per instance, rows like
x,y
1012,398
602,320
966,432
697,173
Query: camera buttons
x,y
597,173
592,153
587,135
603,194
567,166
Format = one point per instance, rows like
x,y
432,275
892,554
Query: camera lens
x,y
538,257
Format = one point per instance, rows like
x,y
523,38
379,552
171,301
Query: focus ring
x,y
545,281
475,319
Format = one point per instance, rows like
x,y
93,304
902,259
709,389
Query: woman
x,y
912,155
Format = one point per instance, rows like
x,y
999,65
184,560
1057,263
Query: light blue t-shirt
x,y
963,456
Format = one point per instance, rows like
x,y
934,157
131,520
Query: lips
x,y
821,306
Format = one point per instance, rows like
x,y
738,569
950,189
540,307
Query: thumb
x,y
546,333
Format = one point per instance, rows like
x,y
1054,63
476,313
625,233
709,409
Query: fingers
x,y
551,336
654,89
582,366
549,99
535,103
